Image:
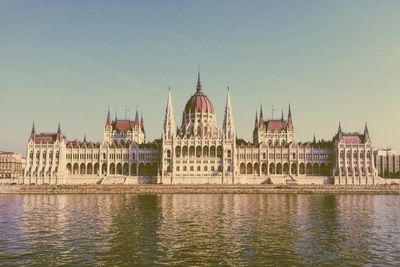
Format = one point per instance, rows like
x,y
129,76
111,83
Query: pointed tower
x,y
314,140
261,120
142,123
33,131
108,119
59,135
282,116
339,133
107,128
136,121
289,120
198,86
228,125
366,133
256,121
84,138
169,121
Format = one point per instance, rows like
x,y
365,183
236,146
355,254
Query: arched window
x,y
191,151
168,153
219,151
178,151
198,151
229,153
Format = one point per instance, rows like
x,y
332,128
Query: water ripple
x,y
199,230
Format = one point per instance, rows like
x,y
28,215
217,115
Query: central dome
x,y
199,102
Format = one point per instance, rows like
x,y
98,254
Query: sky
x,y
68,61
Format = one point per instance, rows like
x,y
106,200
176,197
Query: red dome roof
x,y
199,102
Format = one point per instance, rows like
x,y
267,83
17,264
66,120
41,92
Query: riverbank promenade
x,y
199,189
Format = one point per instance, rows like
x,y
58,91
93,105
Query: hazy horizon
x,y
69,61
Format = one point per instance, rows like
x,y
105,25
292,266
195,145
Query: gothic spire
x,y
290,122
282,116
33,128
314,141
59,128
198,87
228,125
169,121
366,133
339,133
256,121
84,138
261,119
137,117
108,119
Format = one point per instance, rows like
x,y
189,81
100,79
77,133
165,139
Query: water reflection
x,y
209,230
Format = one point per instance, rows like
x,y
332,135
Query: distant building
x,y
387,163
11,165
198,151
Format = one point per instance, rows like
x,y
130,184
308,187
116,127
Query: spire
x,y
108,120
314,141
169,121
228,125
366,133
137,117
256,121
198,87
141,122
116,116
33,132
59,128
282,116
84,138
33,128
290,122
261,120
339,133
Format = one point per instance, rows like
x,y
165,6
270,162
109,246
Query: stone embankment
x,y
199,189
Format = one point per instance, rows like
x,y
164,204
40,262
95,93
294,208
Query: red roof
x,y
273,125
352,139
126,125
45,138
199,103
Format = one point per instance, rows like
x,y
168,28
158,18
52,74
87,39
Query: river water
x,y
187,230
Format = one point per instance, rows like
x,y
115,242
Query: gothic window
x,y
198,168
191,168
219,151
191,151
178,151
168,153
229,154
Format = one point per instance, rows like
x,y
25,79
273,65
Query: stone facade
x,y
387,163
198,151
11,165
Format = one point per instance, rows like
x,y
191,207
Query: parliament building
x,y
198,151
